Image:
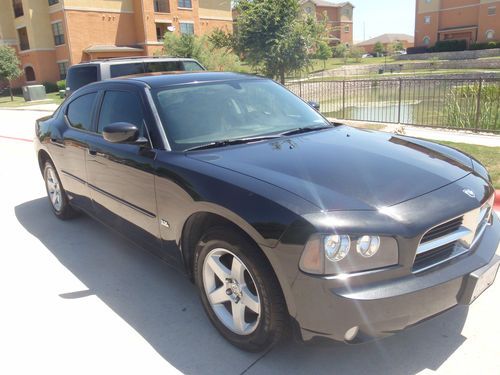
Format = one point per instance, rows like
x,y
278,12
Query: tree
x,y
398,46
275,36
184,45
356,53
340,50
379,49
323,52
9,66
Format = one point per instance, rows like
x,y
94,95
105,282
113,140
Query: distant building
x,y
51,35
470,20
339,18
387,40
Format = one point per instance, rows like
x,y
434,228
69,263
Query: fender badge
x,y
470,193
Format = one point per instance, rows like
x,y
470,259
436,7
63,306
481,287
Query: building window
x,y
309,10
187,28
490,34
57,30
63,69
161,30
347,12
427,40
162,6
492,11
18,8
184,4
53,2
29,73
347,29
24,42
428,1
427,19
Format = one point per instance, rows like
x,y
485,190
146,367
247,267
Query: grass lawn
x,y
489,156
52,98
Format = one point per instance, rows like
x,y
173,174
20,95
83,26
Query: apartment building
x,y
51,35
339,17
470,20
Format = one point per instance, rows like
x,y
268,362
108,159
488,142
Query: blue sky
x,y
383,17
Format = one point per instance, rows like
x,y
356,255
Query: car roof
x,y
179,78
124,60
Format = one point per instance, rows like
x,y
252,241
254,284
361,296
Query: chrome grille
x,y
452,238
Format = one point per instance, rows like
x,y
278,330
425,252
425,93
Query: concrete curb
x,y
26,109
16,138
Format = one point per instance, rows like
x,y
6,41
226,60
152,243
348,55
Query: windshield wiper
x,y
306,129
231,142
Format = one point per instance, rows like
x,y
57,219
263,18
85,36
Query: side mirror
x,y
315,105
121,132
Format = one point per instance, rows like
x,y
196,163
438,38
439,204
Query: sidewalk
x,y
458,136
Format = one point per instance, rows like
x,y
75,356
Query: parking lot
x,y
79,299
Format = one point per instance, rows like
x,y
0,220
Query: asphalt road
x,y
77,298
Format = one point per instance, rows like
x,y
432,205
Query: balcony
x,y
162,6
17,5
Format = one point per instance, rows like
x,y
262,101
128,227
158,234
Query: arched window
x,y
427,40
29,73
490,34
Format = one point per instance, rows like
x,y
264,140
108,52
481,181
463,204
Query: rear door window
x,y
81,76
163,66
120,70
79,112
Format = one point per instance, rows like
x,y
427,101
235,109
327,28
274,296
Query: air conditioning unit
x,y
34,92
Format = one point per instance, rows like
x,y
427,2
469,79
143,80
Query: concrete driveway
x,y
79,299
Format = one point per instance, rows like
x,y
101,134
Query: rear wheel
x,y
239,290
57,196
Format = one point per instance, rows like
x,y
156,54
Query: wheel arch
x,y
200,222
43,156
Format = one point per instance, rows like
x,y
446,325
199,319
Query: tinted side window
x,y
80,111
121,106
81,76
121,70
192,66
163,66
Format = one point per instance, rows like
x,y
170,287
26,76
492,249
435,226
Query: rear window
x,y
121,70
81,76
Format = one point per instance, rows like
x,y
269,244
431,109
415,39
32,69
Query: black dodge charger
x,y
281,218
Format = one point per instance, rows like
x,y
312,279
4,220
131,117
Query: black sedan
x,y
281,218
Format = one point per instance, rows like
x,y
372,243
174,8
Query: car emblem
x,y
470,193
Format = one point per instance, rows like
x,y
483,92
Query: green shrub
x,y
61,85
449,46
489,45
461,106
50,87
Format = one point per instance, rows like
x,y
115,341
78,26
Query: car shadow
x,y
163,307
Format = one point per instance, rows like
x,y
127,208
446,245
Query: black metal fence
x,y
472,104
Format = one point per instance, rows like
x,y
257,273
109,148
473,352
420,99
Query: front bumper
x,y
382,308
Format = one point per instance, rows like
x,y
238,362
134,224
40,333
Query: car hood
x,y
345,168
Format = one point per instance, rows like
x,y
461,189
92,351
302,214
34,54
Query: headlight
x,y
368,246
340,254
336,247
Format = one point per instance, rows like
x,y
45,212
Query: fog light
x,y
351,333
337,247
368,246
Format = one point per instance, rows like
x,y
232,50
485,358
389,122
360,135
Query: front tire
x,y
58,198
239,290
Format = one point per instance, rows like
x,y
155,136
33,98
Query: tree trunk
x,y
10,91
282,74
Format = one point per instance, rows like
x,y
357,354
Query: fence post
x,y
300,88
343,99
399,99
478,109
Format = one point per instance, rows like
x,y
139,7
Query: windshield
x,y
198,114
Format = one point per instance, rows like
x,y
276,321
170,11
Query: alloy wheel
x,y
54,189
